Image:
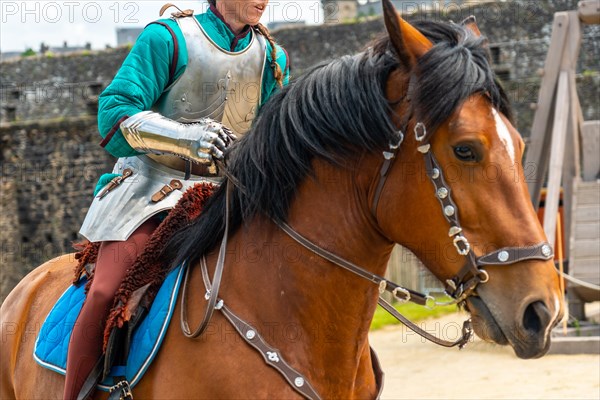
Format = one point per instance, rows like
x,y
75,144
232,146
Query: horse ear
x,y
409,43
471,23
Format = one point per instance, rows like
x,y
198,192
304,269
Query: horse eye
x,y
465,153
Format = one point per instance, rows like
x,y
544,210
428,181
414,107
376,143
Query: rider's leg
x,y
85,348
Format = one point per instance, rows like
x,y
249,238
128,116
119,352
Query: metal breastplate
x,y
218,84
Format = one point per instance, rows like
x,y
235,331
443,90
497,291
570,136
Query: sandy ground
x,y
415,369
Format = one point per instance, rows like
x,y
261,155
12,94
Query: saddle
x,y
130,349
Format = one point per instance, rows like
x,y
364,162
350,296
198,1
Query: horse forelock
x,y
456,67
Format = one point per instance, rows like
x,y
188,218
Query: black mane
x,y
334,111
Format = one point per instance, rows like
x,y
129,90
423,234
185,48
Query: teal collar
x,y
227,39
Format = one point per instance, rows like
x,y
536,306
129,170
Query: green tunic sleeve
x,y
138,84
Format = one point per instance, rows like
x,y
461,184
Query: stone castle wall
x,y
50,159
48,171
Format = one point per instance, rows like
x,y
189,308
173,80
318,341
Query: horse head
x,y
458,186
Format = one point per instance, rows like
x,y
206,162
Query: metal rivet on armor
x,y
503,256
435,173
299,381
546,250
250,334
442,193
449,211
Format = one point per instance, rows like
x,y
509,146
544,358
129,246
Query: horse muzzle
x,y
528,333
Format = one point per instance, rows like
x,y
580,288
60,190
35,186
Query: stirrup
x,y
120,391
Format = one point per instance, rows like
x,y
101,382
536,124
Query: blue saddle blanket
x,y
52,343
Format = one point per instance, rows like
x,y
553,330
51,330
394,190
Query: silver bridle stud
x,y
546,250
250,334
449,211
435,173
455,230
424,149
503,256
388,155
442,193
299,381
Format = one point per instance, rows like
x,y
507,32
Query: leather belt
x,y
166,190
182,165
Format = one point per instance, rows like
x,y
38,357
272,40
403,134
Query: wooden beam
x,y
559,133
590,140
589,11
537,153
572,42
571,167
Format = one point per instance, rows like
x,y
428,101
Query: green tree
x,y
28,53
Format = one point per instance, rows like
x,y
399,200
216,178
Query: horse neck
x,y
318,308
332,209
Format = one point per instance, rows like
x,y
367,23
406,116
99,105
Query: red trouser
x,y
85,348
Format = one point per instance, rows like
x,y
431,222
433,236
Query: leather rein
x,y
459,287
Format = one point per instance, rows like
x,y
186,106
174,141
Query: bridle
x,y
465,282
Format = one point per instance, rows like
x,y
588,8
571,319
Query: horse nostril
x,y
536,317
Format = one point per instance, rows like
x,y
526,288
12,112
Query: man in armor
x,y
190,84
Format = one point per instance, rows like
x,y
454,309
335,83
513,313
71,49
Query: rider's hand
x,y
213,141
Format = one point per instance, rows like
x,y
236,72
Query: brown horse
x,y
319,157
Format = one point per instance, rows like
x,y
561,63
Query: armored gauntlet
x,y
200,142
